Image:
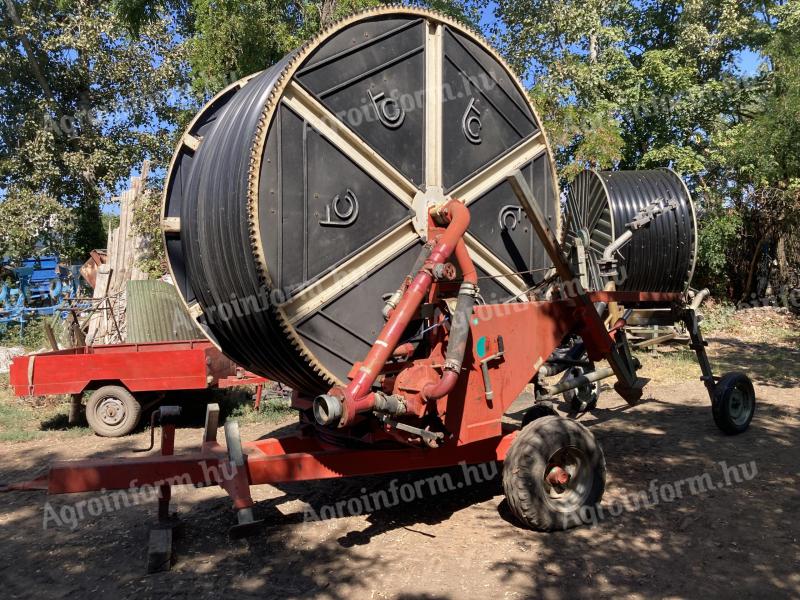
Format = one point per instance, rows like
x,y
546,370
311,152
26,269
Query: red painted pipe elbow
x,y
434,391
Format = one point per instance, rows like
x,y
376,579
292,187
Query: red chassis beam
x,y
274,460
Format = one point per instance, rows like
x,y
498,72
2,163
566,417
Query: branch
x,y
34,63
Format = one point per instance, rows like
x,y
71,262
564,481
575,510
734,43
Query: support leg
x,y
733,398
257,399
238,486
165,490
689,317
159,549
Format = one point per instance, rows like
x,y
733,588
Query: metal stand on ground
x,y
159,547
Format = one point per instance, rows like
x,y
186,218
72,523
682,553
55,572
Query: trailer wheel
x,y
112,411
583,398
733,403
554,470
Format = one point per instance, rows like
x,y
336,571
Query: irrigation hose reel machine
x,y
375,221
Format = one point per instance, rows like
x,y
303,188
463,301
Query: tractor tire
x,y
537,411
541,447
733,403
112,411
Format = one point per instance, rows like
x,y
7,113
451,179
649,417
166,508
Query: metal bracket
x,y
487,382
428,436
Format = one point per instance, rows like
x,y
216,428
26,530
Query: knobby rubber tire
x,y
525,465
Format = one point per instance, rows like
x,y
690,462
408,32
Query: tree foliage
x,y
34,220
82,103
648,83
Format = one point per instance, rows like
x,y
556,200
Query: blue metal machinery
x,y
38,286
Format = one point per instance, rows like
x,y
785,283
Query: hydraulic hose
x,y
459,330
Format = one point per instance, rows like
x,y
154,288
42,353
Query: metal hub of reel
x,y
298,196
660,257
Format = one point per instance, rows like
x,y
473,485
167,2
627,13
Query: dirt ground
x,y
737,540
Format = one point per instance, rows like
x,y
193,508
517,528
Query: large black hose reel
x,y
660,257
298,197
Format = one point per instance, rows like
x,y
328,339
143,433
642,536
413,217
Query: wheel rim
x,y
569,496
111,411
740,405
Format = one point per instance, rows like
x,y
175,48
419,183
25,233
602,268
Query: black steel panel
x,y
319,208
375,211
483,113
357,36
375,84
500,223
539,174
343,330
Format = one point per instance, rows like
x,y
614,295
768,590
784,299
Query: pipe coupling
x,y
453,364
391,404
468,289
328,410
391,303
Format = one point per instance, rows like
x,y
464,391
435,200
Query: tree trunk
x,y
327,12
783,262
592,48
29,52
751,272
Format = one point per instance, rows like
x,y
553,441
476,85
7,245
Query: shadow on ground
x,y
768,364
739,539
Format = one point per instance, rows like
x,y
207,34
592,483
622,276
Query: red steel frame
x,y
530,332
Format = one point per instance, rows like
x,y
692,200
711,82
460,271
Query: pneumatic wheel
x,y
553,470
583,398
112,411
733,403
537,411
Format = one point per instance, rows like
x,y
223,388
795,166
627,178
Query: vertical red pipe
x,y
357,396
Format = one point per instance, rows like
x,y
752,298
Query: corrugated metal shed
x,y
155,313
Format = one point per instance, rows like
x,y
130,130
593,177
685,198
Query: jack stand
x,y
238,486
159,550
75,409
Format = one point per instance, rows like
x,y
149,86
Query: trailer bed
x,y
153,366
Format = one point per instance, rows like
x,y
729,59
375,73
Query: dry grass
x,y
763,342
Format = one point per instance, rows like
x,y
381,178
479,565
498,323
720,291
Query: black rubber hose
x,y
459,329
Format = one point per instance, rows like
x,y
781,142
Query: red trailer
x,y
121,375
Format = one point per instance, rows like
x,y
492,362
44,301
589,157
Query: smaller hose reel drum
x,y
660,257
